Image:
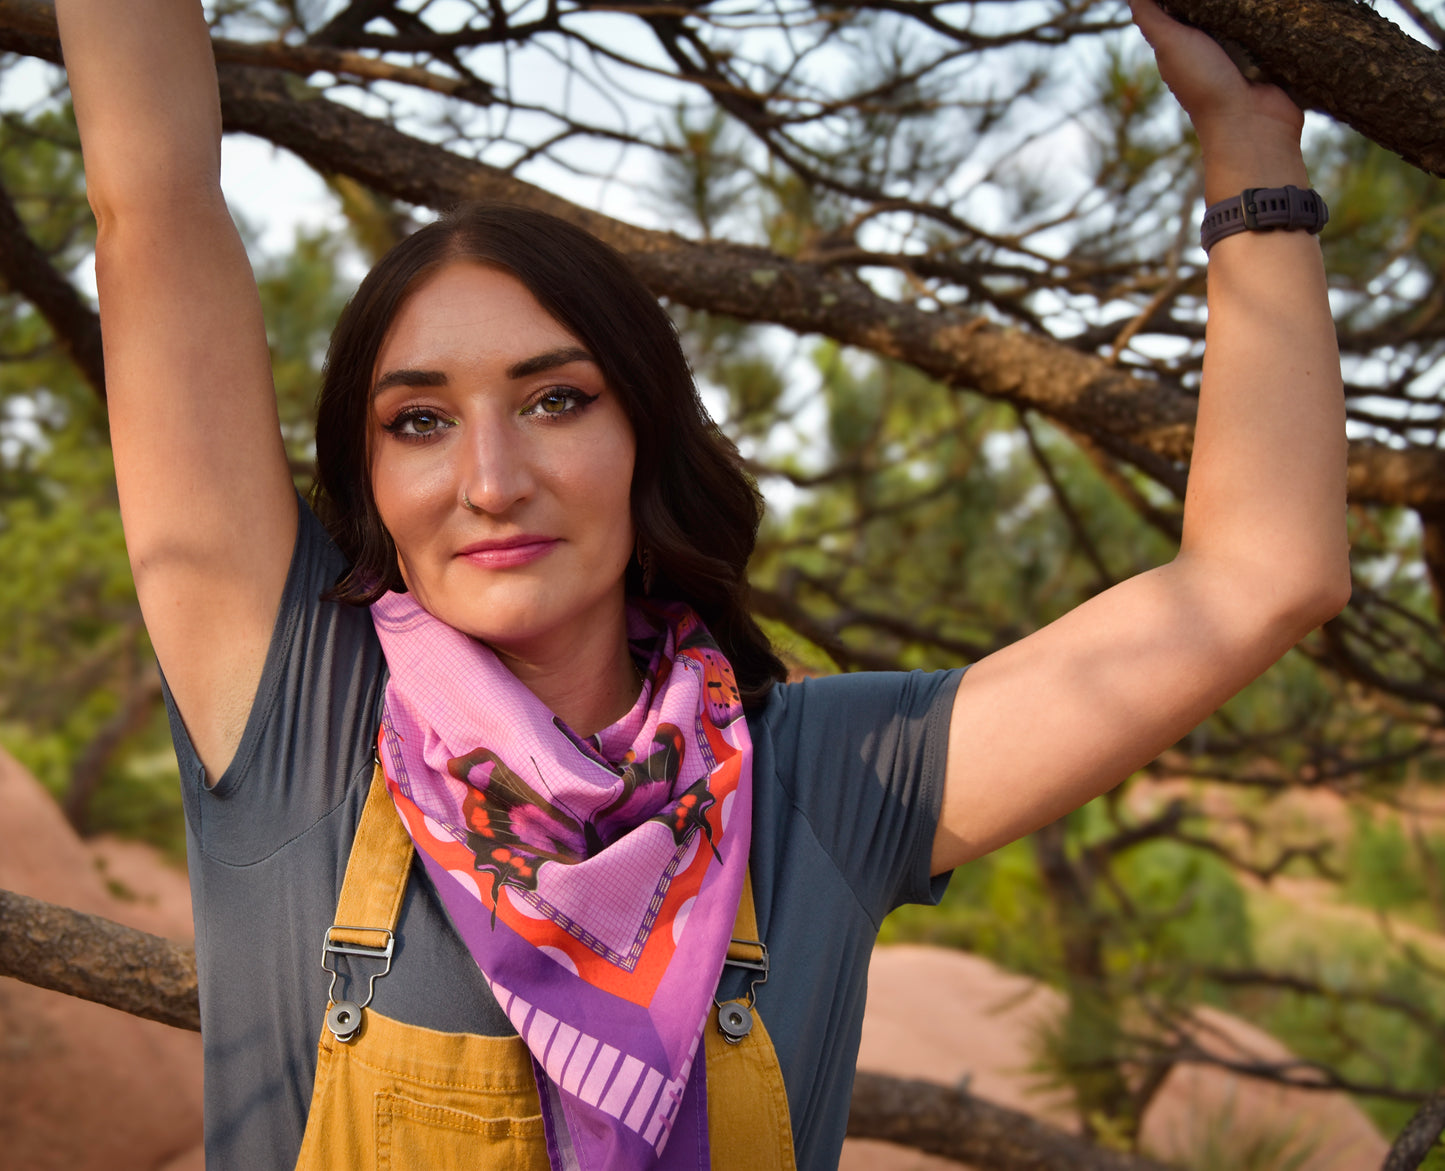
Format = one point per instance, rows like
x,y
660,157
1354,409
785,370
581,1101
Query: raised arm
x,y
1065,714
205,490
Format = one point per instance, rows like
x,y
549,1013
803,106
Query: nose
x,y
498,472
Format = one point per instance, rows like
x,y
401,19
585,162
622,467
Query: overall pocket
x,y
404,1098
412,1135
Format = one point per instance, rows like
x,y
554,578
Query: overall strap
x,y
371,894
748,1120
746,947
376,872
746,950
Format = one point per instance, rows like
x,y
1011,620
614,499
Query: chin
x,y
517,624
525,608
497,625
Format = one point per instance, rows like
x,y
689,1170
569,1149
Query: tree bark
x,y
1343,58
26,270
1420,1134
96,959
955,1124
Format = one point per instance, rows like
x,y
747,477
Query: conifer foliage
x,y
936,266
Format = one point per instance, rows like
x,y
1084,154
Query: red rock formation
x,y
944,1015
84,1087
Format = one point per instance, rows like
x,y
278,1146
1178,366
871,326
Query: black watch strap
x,y
1263,209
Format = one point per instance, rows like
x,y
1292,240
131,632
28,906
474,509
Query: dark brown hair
x,y
693,506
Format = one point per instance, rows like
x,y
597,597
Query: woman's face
x,y
481,398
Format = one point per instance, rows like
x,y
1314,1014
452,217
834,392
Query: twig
x,y
1413,1143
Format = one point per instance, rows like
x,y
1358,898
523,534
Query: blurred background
x,y
942,286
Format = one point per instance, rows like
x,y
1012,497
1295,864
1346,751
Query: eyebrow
x,y
562,356
408,378
550,360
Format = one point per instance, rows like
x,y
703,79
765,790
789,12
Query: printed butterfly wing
x,y
689,813
641,798
512,828
720,688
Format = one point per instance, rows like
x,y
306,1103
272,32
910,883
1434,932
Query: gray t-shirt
x,y
847,776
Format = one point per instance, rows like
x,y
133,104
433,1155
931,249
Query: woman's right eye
x,y
418,423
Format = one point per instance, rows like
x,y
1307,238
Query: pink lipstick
x,y
508,552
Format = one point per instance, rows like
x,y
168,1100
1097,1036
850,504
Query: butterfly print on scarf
x,y
514,829
720,689
684,814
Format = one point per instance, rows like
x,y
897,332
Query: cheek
x,y
411,500
407,488
616,490
601,503
599,477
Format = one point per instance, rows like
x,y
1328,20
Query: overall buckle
x,y
735,1017
343,1018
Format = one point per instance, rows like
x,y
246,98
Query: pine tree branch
x,y
1432,552
1344,59
95,959
1421,1133
953,1123
1143,420
305,60
1083,540
1140,419
25,269
140,696
781,607
1304,986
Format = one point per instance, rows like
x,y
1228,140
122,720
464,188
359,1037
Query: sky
x,y
277,195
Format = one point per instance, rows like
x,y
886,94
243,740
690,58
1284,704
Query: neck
x,y
588,684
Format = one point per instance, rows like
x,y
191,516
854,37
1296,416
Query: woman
x,y
499,476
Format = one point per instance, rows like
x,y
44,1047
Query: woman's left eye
x,y
561,400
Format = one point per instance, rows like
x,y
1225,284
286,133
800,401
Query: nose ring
x,y
467,504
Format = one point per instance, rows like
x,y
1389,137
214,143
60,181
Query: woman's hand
x,y
1249,131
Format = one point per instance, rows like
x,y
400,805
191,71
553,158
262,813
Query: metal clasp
x,y
1250,208
735,1017
343,1018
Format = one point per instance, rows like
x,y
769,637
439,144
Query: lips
x,y
508,552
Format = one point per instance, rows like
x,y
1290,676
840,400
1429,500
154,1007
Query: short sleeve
x,y
862,757
312,722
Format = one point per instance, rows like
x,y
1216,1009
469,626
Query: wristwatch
x,y
1263,209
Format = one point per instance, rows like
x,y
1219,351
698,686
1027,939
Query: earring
x,y
644,560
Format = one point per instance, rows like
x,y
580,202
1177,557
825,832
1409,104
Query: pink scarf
x,y
594,882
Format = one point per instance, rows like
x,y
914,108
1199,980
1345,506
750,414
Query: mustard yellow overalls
x,y
398,1097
